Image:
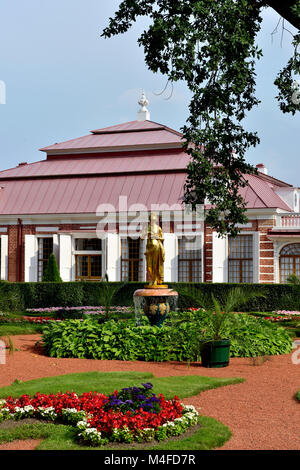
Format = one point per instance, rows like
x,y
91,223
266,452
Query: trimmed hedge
x,y
19,296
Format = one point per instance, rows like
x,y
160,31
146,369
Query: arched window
x,y
289,261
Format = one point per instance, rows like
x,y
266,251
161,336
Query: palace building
x,y
51,206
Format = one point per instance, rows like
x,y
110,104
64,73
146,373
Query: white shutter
x,y
65,257
219,258
56,247
256,257
4,257
31,258
113,268
170,265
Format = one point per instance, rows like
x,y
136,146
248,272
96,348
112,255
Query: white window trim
x,y
278,245
256,246
88,252
4,257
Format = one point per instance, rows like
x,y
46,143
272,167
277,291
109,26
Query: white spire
x,y
143,114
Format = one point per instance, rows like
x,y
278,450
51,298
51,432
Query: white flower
x,y
28,408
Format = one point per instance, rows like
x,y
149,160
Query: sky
x,y
63,80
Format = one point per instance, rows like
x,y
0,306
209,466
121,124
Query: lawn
x,y
12,329
107,382
210,434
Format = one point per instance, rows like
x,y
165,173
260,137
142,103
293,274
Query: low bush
x,y
179,339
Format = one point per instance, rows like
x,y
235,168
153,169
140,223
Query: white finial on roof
x,y
143,114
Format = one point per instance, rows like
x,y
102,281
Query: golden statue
x,y
155,253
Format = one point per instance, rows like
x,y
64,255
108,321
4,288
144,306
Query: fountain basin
x,y
155,303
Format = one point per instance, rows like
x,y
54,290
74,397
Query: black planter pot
x,y
215,353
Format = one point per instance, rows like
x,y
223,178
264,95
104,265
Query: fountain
x,y
156,299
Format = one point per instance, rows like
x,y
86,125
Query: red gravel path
x,y
31,444
262,413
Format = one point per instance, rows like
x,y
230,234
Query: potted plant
x,y
215,351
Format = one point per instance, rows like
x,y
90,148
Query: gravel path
x,y
262,413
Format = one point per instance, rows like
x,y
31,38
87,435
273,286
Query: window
x,y
189,260
45,248
131,259
88,244
89,264
289,261
240,258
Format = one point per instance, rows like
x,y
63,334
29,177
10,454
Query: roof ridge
x,y
265,177
117,128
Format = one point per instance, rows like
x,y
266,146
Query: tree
x,y
287,9
51,273
211,46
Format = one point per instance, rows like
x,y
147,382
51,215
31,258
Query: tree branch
x,y
284,8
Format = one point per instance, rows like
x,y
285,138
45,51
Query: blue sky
x,y
62,80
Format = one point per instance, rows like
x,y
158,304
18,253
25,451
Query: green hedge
x,y
19,296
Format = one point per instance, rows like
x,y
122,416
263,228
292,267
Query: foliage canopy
x,y
211,46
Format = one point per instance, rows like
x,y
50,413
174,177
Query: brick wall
x,y
266,252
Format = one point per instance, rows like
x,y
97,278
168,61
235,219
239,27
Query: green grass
x,y
11,329
298,395
211,433
107,382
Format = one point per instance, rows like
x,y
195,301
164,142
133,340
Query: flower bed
x,y
279,319
37,320
87,310
287,312
133,414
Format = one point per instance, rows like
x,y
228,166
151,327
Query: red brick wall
x,y
266,252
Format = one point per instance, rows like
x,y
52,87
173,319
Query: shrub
x,y
177,340
11,297
51,273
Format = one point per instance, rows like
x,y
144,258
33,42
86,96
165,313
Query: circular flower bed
x,y
133,414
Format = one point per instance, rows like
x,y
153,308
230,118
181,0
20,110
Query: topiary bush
x,y
51,273
178,340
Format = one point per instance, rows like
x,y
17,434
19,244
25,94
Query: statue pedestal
x,y
155,303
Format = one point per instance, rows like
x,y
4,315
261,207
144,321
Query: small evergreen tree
x,y
51,273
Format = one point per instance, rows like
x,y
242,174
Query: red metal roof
x,y
141,134
135,126
78,182
259,194
159,160
83,195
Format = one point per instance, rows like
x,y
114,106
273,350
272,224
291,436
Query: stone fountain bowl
x,y
155,303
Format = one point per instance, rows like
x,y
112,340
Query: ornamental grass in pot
x,y
215,350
